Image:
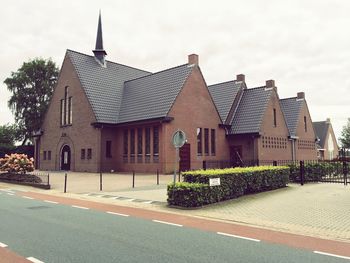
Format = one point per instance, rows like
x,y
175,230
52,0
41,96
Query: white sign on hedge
x,y
214,181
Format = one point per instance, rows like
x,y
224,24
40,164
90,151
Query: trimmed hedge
x,y
315,170
234,182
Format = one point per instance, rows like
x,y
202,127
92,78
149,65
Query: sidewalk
x,y
320,210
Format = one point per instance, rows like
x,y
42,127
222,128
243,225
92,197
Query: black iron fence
x,y
36,179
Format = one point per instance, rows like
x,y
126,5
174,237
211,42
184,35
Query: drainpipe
x,y
293,139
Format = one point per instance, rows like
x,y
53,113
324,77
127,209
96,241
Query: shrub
x,y
17,163
234,182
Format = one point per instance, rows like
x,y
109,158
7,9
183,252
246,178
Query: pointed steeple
x,y
99,52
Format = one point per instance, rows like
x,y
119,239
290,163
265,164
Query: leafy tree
x,y
345,135
8,135
32,87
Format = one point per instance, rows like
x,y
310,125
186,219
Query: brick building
x,y
108,116
327,146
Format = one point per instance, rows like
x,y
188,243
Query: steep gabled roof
x,y
152,96
321,129
224,95
250,111
291,108
103,85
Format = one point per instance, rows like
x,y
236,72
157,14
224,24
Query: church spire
x,y
99,52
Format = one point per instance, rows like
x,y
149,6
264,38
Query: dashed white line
x,y
118,214
167,223
51,202
35,260
10,193
241,237
81,207
331,255
3,245
148,202
117,197
27,197
130,200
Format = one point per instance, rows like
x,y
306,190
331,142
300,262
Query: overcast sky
x,y
304,45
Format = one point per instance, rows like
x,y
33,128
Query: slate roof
x,y
250,111
291,109
103,85
152,96
224,95
321,128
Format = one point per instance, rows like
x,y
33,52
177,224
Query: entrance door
x,y
185,157
65,158
236,155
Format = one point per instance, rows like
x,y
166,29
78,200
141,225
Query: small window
x,y
49,155
45,155
274,118
89,153
155,141
108,149
206,141
199,141
212,139
82,154
305,124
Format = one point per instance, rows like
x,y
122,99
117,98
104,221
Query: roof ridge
x,y
155,73
109,61
289,98
222,83
261,87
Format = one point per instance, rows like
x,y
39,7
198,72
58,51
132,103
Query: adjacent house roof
x,y
291,108
321,129
224,95
119,94
153,95
250,111
103,85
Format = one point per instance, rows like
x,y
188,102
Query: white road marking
x,y
3,245
148,202
35,260
331,255
27,197
118,214
51,202
167,223
130,200
246,238
7,191
10,193
81,207
117,197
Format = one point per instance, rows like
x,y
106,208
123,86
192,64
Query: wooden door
x,y
65,158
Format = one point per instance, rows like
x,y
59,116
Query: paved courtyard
x,y
316,209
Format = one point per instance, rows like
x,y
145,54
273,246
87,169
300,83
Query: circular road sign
x,y
179,139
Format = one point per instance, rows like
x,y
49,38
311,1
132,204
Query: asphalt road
x,y
60,233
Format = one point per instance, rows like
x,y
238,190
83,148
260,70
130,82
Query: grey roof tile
x,y
321,128
291,109
250,111
103,85
152,96
224,95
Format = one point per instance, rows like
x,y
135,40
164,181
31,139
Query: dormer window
x,y
66,108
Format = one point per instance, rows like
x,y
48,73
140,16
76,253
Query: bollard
x,y
100,181
157,177
302,172
48,178
179,176
133,179
65,183
204,165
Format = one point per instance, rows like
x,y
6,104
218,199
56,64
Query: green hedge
x,y
234,182
315,171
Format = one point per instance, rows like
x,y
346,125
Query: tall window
x,y
132,141
89,153
274,118
155,141
44,155
212,139
49,155
109,149
305,124
66,109
139,141
82,154
125,142
148,141
206,141
199,141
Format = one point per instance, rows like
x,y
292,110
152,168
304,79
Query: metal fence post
x,y
100,181
157,177
65,183
133,179
345,173
302,172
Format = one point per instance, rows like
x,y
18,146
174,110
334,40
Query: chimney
x,y
240,77
193,59
328,120
301,95
270,83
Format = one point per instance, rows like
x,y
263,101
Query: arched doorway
x,y
65,158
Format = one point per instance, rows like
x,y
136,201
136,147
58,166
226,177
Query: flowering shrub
x,y
17,163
